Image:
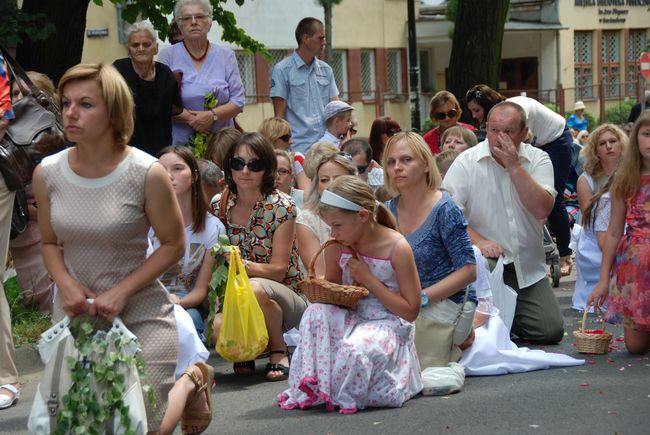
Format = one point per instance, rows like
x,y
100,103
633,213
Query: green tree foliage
x,y
619,114
157,12
17,25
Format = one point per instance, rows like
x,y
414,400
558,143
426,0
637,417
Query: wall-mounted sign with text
x,y
612,11
97,33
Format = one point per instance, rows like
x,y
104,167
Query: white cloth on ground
x,y
493,353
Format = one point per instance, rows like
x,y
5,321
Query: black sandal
x,y
277,367
246,368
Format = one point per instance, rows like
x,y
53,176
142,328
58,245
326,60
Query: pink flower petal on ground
x,y
621,369
600,393
584,385
591,361
612,412
609,360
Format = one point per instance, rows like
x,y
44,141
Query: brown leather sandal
x,y
192,417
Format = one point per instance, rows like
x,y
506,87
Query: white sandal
x,y
8,401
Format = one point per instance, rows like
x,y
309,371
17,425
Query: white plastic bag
x,y
441,381
57,343
503,297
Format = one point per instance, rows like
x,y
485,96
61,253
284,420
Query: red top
x,y
432,139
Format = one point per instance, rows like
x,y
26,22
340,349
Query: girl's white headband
x,y
330,198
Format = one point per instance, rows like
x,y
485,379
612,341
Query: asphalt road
x,y
608,395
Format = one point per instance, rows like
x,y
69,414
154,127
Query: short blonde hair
x,y
592,164
421,151
274,128
440,99
116,95
445,159
457,131
316,152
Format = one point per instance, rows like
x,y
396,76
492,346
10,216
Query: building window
x,y
394,69
610,58
276,56
636,46
583,65
368,82
340,66
246,64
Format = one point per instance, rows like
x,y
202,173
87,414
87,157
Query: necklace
x,y
200,58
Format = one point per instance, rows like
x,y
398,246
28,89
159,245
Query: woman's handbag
x,y
34,133
434,339
59,353
243,335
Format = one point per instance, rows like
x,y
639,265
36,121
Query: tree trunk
x,y
64,47
476,49
327,8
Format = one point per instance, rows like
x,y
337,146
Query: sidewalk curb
x,y
28,360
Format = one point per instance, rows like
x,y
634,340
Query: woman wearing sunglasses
x,y
445,111
261,221
278,132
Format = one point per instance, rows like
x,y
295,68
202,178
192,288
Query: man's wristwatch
x,y
215,118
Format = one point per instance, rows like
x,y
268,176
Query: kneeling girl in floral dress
x,y
354,359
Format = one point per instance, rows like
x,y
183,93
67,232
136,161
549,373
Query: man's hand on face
x,y
506,151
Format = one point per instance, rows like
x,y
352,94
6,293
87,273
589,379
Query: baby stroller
x,y
552,257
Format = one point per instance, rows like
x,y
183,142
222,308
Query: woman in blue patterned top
x,y
434,227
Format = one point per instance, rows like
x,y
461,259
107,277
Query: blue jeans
x,y
560,153
197,317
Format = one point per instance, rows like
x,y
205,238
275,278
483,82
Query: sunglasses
x,y
362,169
442,115
255,165
286,137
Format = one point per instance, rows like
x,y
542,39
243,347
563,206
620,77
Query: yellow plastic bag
x,y
243,335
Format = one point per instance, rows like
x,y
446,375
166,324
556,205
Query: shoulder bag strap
x,y
21,78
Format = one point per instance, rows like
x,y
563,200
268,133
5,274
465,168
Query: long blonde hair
x,y
627,179
359,192
592,164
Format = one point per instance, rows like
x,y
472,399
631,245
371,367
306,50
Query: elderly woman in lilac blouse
x,y
211,87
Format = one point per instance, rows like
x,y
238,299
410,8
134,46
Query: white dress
x,y
588,253
354,359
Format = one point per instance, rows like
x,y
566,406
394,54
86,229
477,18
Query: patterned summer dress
x,y
354,359
629,288
101,225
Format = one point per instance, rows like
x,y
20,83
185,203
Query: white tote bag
x,y
54,346
503,296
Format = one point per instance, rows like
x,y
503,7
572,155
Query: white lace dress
x,y
352,360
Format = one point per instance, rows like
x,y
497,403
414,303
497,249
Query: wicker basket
x,y
592,343
325,292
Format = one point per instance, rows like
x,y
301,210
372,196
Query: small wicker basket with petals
x,y
589,342
325,292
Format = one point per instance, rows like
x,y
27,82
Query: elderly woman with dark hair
x,y
446,111
211,88
154,89
261,221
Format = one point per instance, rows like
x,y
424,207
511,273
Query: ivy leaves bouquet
x,y
106,390
199,141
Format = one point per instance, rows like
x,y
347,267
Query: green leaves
x,y
217,281
99,381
